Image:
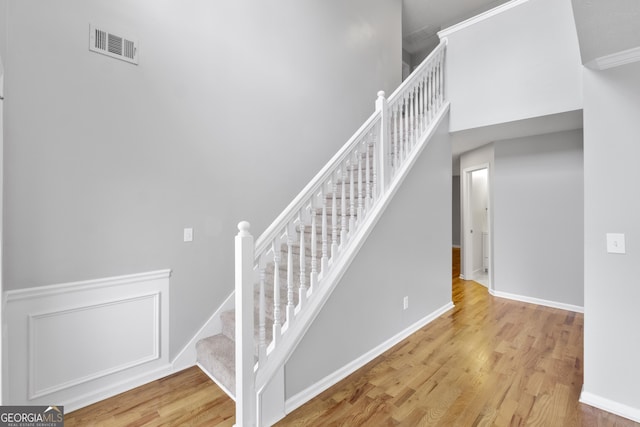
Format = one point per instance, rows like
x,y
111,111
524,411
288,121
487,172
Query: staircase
x,y
283,280
344,205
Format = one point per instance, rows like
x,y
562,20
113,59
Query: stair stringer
x,y
281,354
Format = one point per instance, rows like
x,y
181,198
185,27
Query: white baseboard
x,y
114,389
81,342
610,406
187,356
309,393
538,301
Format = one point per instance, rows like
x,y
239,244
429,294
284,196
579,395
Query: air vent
x,y
115,46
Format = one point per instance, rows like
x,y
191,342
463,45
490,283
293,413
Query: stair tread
x,y
217,355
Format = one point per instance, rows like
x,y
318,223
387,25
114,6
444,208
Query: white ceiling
x,y
422,19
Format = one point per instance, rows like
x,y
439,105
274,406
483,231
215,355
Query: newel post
x,y
383,156
245,379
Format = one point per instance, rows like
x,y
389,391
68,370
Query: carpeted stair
x,y
216,354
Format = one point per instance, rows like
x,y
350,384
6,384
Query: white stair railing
x,y
305,243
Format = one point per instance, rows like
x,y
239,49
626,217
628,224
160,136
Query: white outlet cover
x,y
615,243
188,234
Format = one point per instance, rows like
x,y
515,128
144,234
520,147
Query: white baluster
x,y
325,244
360,194
398,135
376,165
383,166
441,67
405,140
343,210
422,118
262,337
313,278
426,98
290,294
412,120
352,196
277,315
302,298
436,88
334,220
368,146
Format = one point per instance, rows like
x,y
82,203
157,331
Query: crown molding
x,y
480,17
615,59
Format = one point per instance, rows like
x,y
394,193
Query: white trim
x,y
456,246
34,354
85,285
610,406
37,320
117,388
538,301
480,17
309,393
615,59
187,357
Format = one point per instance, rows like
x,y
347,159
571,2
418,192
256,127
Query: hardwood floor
x,y
489,361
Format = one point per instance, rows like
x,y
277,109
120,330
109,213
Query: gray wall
x,y
455,211
407,254
612,205
233,108
538,217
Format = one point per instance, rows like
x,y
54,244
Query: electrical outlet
x,y
188,235
405,303
615,243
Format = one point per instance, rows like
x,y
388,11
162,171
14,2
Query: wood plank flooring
x,y
489,361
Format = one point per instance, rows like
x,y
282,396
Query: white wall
x,y
407,254
538,217
612,205
233,108
522,63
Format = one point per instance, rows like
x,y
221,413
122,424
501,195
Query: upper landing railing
x,y
302,253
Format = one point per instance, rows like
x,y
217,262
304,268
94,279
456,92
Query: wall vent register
x,y
115,46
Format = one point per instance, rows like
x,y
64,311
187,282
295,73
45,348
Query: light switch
x,y
188,234
615,243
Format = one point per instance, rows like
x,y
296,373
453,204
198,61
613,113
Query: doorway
x,y
476,225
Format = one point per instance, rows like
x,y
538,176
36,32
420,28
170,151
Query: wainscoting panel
x,y
77,343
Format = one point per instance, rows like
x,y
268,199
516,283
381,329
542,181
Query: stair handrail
x,y
417,72
386,142
289,212
316,182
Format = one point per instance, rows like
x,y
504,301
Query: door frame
x,y
466,258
